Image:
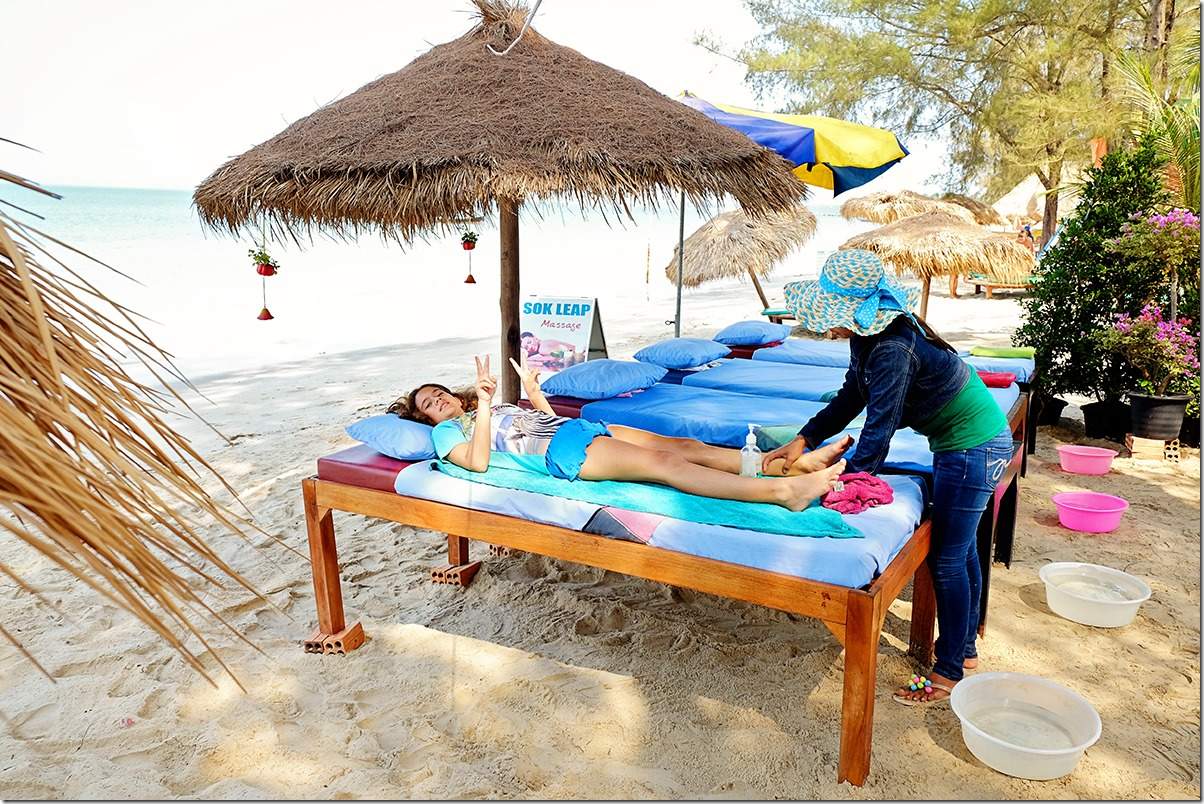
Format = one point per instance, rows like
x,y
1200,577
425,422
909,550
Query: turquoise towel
x,y
648,498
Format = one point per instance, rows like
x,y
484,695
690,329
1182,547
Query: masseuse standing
x,y
902,374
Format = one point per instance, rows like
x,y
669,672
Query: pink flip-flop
x,y
927,685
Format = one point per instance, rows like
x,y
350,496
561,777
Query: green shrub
x,y
1082,283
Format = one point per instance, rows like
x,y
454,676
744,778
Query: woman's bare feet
x,y
823,457
798,492
971,663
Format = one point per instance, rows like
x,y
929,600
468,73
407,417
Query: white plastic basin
x,y
1023,725
1092,594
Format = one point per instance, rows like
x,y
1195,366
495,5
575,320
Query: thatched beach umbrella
x,y
462,131
895,206
984,214
936,244
735,244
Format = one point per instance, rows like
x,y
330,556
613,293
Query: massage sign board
x,y
560,331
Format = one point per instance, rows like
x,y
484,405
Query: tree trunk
x,y
1049,220
508,226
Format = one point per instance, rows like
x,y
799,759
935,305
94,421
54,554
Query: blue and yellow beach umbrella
x,y
826,152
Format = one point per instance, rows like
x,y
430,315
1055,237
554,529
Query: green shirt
x,y
968,420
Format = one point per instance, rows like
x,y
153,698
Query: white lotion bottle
x,y
750,454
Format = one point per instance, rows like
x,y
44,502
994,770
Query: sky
x,y
134,93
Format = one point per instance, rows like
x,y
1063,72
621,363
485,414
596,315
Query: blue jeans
x,y
963,485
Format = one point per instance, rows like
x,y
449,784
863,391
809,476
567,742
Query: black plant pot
x,y
1109,419
1159,417
1189,433
1049,409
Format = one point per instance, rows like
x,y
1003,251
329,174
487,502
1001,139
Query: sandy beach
x,y
551,680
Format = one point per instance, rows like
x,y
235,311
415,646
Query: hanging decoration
x,y
468,241
265,266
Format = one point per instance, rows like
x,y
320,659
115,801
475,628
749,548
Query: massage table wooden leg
x,y
863,625
459,571
332,635
923,615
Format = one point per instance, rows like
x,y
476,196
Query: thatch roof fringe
x,y
936,244
984,214
894,206
460,127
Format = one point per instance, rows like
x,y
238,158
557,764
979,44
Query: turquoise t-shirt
x,y
519,437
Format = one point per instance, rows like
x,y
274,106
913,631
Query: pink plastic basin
x,y
1089,511
1086,460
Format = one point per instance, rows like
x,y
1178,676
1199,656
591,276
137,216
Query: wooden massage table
x,y
360,481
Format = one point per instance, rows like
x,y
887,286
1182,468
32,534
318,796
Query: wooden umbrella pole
x,y
760,291
924,297
508,226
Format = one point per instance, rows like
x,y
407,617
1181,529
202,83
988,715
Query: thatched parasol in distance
x,y
984,214
895,206
936,244
736,244
462,130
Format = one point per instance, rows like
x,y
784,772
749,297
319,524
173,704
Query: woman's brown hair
x,y
406,406
930,333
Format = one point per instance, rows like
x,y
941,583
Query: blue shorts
x,y
566,450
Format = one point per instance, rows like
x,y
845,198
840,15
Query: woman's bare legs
x,y
615,459
722,458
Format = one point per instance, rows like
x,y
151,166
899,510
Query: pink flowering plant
x,y
1172,238
1164,352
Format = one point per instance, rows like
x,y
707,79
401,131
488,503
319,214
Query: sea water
x,y
201,294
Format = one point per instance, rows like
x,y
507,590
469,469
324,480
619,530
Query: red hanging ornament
x,y
468,241
265,266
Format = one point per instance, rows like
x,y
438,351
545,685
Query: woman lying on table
x,y
474,434
902,374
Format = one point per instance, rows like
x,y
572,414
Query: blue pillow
x,y
394,436
752,333
603,379
682,353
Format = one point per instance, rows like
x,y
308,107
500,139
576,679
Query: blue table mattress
x,y
847,562
764,378
793,381
722,418
808,352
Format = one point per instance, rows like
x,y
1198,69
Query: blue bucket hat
x,y
852,291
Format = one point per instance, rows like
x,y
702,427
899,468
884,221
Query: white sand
x,y
548,680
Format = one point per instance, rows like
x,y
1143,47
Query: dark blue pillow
x,y
394,436
752,333
682,353
603,379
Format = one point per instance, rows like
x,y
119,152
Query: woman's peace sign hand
x,y
525,374
486,383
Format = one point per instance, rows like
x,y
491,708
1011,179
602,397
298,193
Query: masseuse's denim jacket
x,y
900,379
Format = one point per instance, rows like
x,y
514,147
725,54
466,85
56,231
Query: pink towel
x,y
861,492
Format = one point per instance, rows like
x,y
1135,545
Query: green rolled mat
x,y
1003,351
